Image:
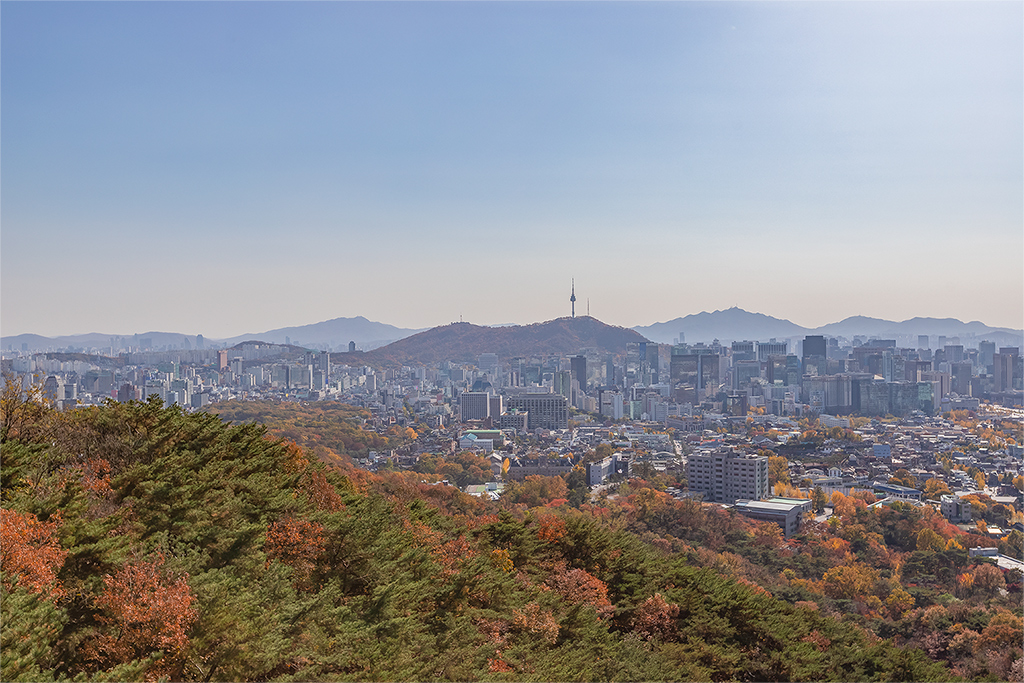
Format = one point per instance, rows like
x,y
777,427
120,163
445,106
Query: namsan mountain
x,y
465,342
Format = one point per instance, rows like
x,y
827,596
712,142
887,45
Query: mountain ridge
x,y
736,324
731,324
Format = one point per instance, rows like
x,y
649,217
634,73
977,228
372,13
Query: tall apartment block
x,y
725,476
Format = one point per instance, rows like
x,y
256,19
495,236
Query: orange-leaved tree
x,y
147,610
579,587
297,543
655,618
30,554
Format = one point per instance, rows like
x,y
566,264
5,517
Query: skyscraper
x,y
578,366
474,405
814,345
692,374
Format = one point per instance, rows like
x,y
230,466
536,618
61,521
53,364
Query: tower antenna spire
x,y
572,299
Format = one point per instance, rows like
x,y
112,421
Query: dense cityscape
x,y
861,409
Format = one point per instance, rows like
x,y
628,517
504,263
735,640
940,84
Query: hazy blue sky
x,y
220,168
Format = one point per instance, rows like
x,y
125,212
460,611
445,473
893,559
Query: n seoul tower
x,y
572,299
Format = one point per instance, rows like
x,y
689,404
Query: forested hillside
x,y
139,543
331,431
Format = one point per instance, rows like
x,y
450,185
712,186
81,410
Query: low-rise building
x,y
954,509
898,492
545,466
786,512
598,472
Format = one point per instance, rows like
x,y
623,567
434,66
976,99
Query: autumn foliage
x,y
655,618
30,554
296,543
146,610
579,587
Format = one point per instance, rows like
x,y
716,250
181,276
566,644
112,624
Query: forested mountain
x,y
463,342
140,542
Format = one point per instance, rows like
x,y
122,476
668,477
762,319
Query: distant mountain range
x,y
97,340
568,335
336,333
735,324
730,324
465,342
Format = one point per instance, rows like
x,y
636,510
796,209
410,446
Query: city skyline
x,y
207,168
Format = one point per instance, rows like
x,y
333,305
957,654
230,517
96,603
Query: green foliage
x,y
31,624
295,572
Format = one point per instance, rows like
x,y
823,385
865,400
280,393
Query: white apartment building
x,y
725,476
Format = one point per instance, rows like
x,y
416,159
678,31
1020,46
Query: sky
x,y
222,168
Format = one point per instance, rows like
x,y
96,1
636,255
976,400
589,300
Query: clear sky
x,y
221,168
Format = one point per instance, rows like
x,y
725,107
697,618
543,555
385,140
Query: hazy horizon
x,y
254,331
203,166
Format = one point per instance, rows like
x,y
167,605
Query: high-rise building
x,y
771,348
961,372
578,366
922,341
611,404
743,371
986,353
912,369
815,346
562,382
1003,364
474,405
954,353
129,392
724,476
783,370
488,363
743,350
693,374
496,406
546,411
940,379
